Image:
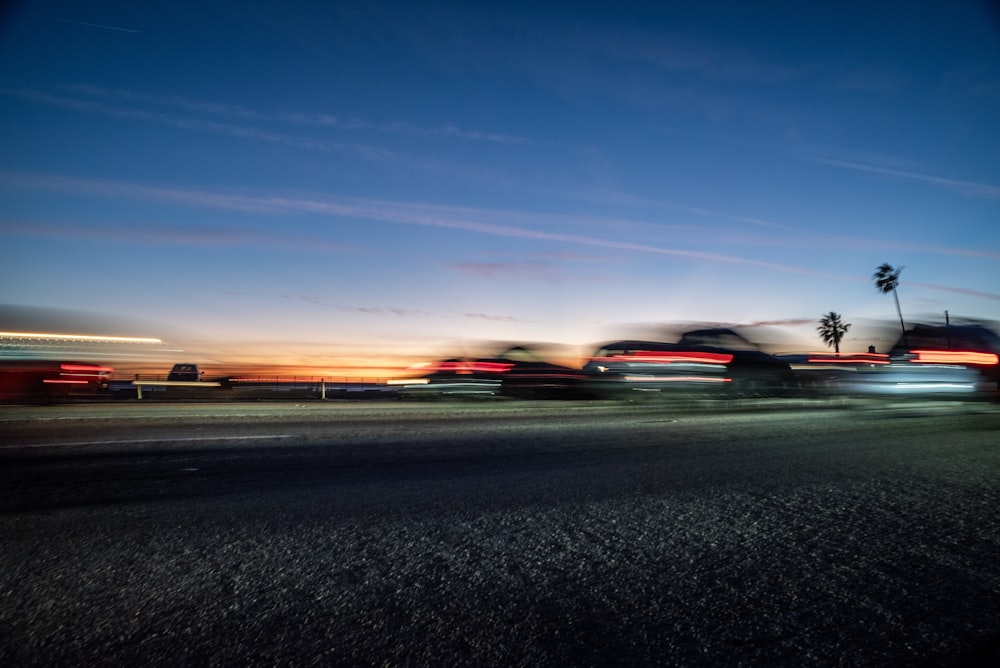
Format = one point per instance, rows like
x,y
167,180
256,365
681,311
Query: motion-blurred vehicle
x,y
41,381
687,366
973,348
516,373
855,374
457,378
929,360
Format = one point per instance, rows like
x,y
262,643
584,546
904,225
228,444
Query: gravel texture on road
x,y
513,534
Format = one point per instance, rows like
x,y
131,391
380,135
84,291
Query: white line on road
x,y
192,439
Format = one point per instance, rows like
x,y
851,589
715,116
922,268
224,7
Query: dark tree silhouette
x,y
832,329
886,279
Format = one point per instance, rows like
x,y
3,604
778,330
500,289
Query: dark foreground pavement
x,y
510,534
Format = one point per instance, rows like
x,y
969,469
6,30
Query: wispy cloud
x,y
575,257
212,127
787,235
383,310
156,234
101,26
960,291
348,308
968,188
790,235
704,60
491,318
531,270
789,322
445,217
398,312
300,118
467,219
478,221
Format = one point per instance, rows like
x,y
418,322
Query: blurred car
x,y
652,366
543,380
872,373
41,381
457,377
929,360
969,346
831,373
516,373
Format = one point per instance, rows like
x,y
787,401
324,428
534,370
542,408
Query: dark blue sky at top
x,y
500,167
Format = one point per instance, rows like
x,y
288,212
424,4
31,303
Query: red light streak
x,y
954,357
656,356
860,358
468,368
90,368
677,379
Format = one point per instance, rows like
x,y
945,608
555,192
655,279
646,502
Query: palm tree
x,y
832,329
886,279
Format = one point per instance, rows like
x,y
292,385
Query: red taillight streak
x,y
673,379
474,367
90,368
655,356
846,360
954,357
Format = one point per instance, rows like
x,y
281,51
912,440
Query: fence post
x,y
322,384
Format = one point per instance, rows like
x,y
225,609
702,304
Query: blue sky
x,y
366,184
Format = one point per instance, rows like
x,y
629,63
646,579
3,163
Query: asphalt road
x,y
577,533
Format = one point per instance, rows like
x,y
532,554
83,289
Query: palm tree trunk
x,y
900,312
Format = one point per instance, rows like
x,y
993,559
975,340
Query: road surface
x,y
509,533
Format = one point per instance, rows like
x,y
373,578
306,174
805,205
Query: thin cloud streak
x,y
416,214
788,322
960,291
212,127
382,155
403,213
492,318
93,25
156,235
969,188
460,218
297,117
726,64
793,236
533,270
396,311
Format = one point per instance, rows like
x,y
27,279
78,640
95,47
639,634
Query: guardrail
x,y
271,385
139,384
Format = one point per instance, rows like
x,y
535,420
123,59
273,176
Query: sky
x,y
354,187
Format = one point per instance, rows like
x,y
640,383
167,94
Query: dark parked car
x,y
184,372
